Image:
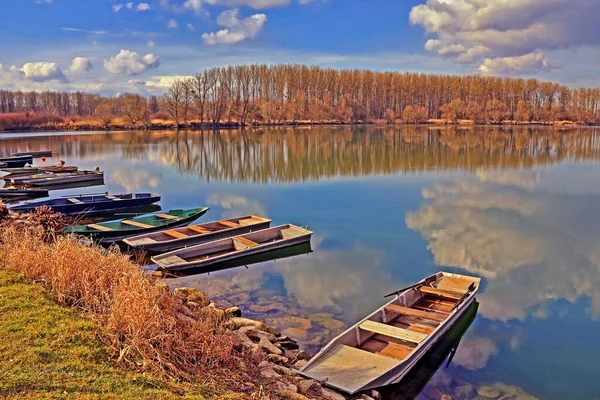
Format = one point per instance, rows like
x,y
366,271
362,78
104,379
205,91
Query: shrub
x,y
14,121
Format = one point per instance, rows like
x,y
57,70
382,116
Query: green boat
x,y
113,231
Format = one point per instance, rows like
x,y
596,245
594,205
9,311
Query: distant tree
x,y
453,111
172,101
389,116
153,105
496,111
134,108
105,111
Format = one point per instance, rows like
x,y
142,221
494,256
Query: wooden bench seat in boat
x,y
247,221
245,242
167,216
229,224
196,228
175,234
451,283
385,348
441,293
100,227
173,260
392,331
135,223
415,313
113,197
75,201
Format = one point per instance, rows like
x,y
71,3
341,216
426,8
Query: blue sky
x,y
141,46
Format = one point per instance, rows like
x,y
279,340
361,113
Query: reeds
x,y
144,325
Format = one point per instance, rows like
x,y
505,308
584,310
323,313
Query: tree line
x,y
281,94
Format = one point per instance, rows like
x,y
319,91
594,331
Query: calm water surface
x,y
389,206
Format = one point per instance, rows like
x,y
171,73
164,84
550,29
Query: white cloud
x,y
117,7
81,64
96,32
506,36
143,7
197,5
191,27
164,82
150,44
131,63
528,63
172,24
43,71
236,29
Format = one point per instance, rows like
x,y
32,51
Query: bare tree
x,y
172,101
134,108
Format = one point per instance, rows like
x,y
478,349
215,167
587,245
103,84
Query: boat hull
x,y
58,180
230,256
163,247
93,205
16,162
34,154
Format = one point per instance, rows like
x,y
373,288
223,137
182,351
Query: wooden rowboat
x,y
168,240
382,348
14,193
222,250
16,162
10,173
61,179
34,154
91,205
112,231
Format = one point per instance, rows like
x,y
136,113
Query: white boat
x,y
222,250
382,348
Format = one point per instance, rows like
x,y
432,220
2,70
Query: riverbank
x,y
92,313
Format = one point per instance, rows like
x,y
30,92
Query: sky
x,y
117,46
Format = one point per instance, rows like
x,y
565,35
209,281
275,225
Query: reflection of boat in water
x,y
416,380
287,252
383,348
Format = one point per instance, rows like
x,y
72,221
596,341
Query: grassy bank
x,y
94,322
49,351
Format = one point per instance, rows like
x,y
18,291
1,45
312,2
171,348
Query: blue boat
x,y
16,162
91,205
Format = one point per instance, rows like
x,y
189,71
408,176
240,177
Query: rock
x,y
192,304
284,370
365,397
241,341
277,359
299,364
331,395
301,355
488,392
318,317
293,396
256,334
446,397
283,386
256,353
465,391
271,308
233,312
157,274
288,344
191,294
239,322
374,394
296,322
309,387
268,372
296,333
333,325
269,347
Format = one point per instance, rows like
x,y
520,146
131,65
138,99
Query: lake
x,y
388,206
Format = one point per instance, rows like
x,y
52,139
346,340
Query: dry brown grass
x,y
145,326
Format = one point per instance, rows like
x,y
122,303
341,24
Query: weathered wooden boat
x,y
61,179
168,240
382,348
16,162
90,205
2,164
112,231
219,251
12,193
11,173
34,154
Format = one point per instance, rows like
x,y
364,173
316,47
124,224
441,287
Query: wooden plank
x,y
75,201
198,229
389,349
435,304
100,227
413,327
167,216
175,234
135,223
248,221
246,242
111,197
444,294
415,313
454,284
432,308
392,331
172,260
229,224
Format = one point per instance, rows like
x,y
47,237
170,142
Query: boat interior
x,y
390,334
231,245
201,229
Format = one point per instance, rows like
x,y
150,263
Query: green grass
x,y
49,351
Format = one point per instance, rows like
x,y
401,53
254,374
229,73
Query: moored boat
x,y
16,162
173,239
382,348
90,205
61,179
112,231
222,250
34,154
12,193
